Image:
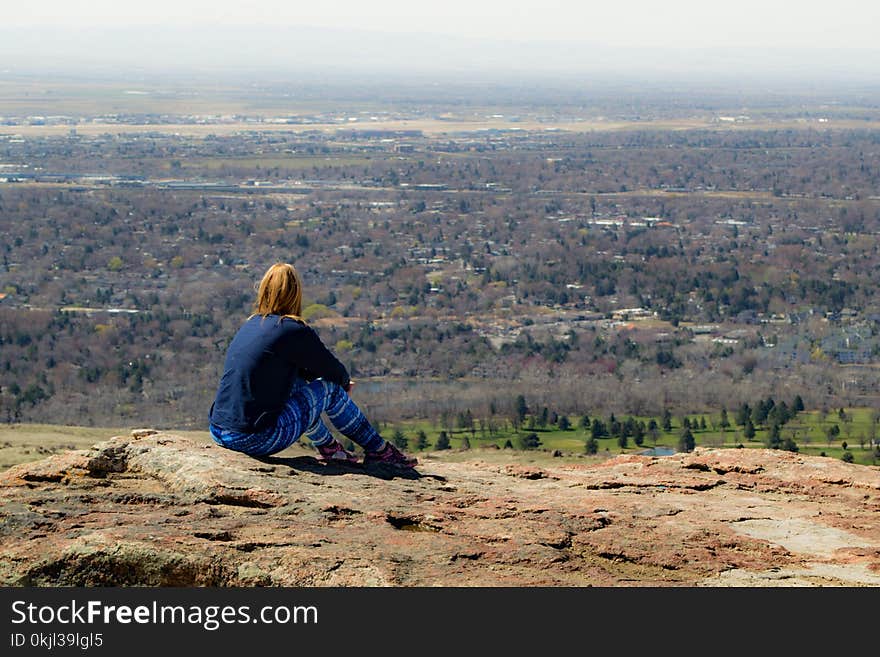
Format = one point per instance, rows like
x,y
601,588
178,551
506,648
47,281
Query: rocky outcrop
x,y
157,509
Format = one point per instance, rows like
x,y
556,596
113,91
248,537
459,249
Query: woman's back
x,y
264,361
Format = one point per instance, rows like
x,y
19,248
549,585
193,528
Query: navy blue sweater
x,y
266,358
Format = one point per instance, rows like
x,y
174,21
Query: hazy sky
x,y
676,23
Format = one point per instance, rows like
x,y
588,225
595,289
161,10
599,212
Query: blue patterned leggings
x,y
302,416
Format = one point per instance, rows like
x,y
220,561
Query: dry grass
x,y
21,443
427,126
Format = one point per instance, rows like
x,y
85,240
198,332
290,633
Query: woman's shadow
x,y
313,465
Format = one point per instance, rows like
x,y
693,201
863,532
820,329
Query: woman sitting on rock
x,y
279,377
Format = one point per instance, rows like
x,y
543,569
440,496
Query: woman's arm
x,y
308,352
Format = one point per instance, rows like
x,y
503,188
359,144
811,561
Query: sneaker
x,y
334,452
390,455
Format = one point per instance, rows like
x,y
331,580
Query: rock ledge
x,y
156,509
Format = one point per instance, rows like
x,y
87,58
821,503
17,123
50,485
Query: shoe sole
x,y
395,466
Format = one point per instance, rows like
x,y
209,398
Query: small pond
x,y
658,451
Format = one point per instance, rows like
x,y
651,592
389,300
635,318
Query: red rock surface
x,y
159,510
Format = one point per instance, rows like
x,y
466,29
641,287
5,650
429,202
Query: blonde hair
x,y
280,292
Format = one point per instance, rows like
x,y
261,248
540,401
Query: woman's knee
x,y
333,392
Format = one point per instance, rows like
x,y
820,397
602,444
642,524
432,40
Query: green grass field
x,y
20,443
807,429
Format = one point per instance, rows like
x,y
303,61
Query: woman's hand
x,y
349,386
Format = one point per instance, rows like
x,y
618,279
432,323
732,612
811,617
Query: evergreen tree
x,y
832,432
702,423
442,441
686,442
639,433
774,439
749,429
521,409
743,414
564,424
592,445
465,443
530,441
759,414
421,440
725,422
614,428
542,418
585,422
798,404
667,420
598,429
780,414
399,439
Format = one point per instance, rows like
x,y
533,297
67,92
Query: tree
x,y
421,440
847,457
725,422
774,438
521,410
530,441
779,414
399,439
592,445
749,429
686,442
702,423
798,404
598,429
585,422
667,420
759,413
743,414
564,424
442,441
542,418
614,426
831,432
465,443
639,433
466,420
